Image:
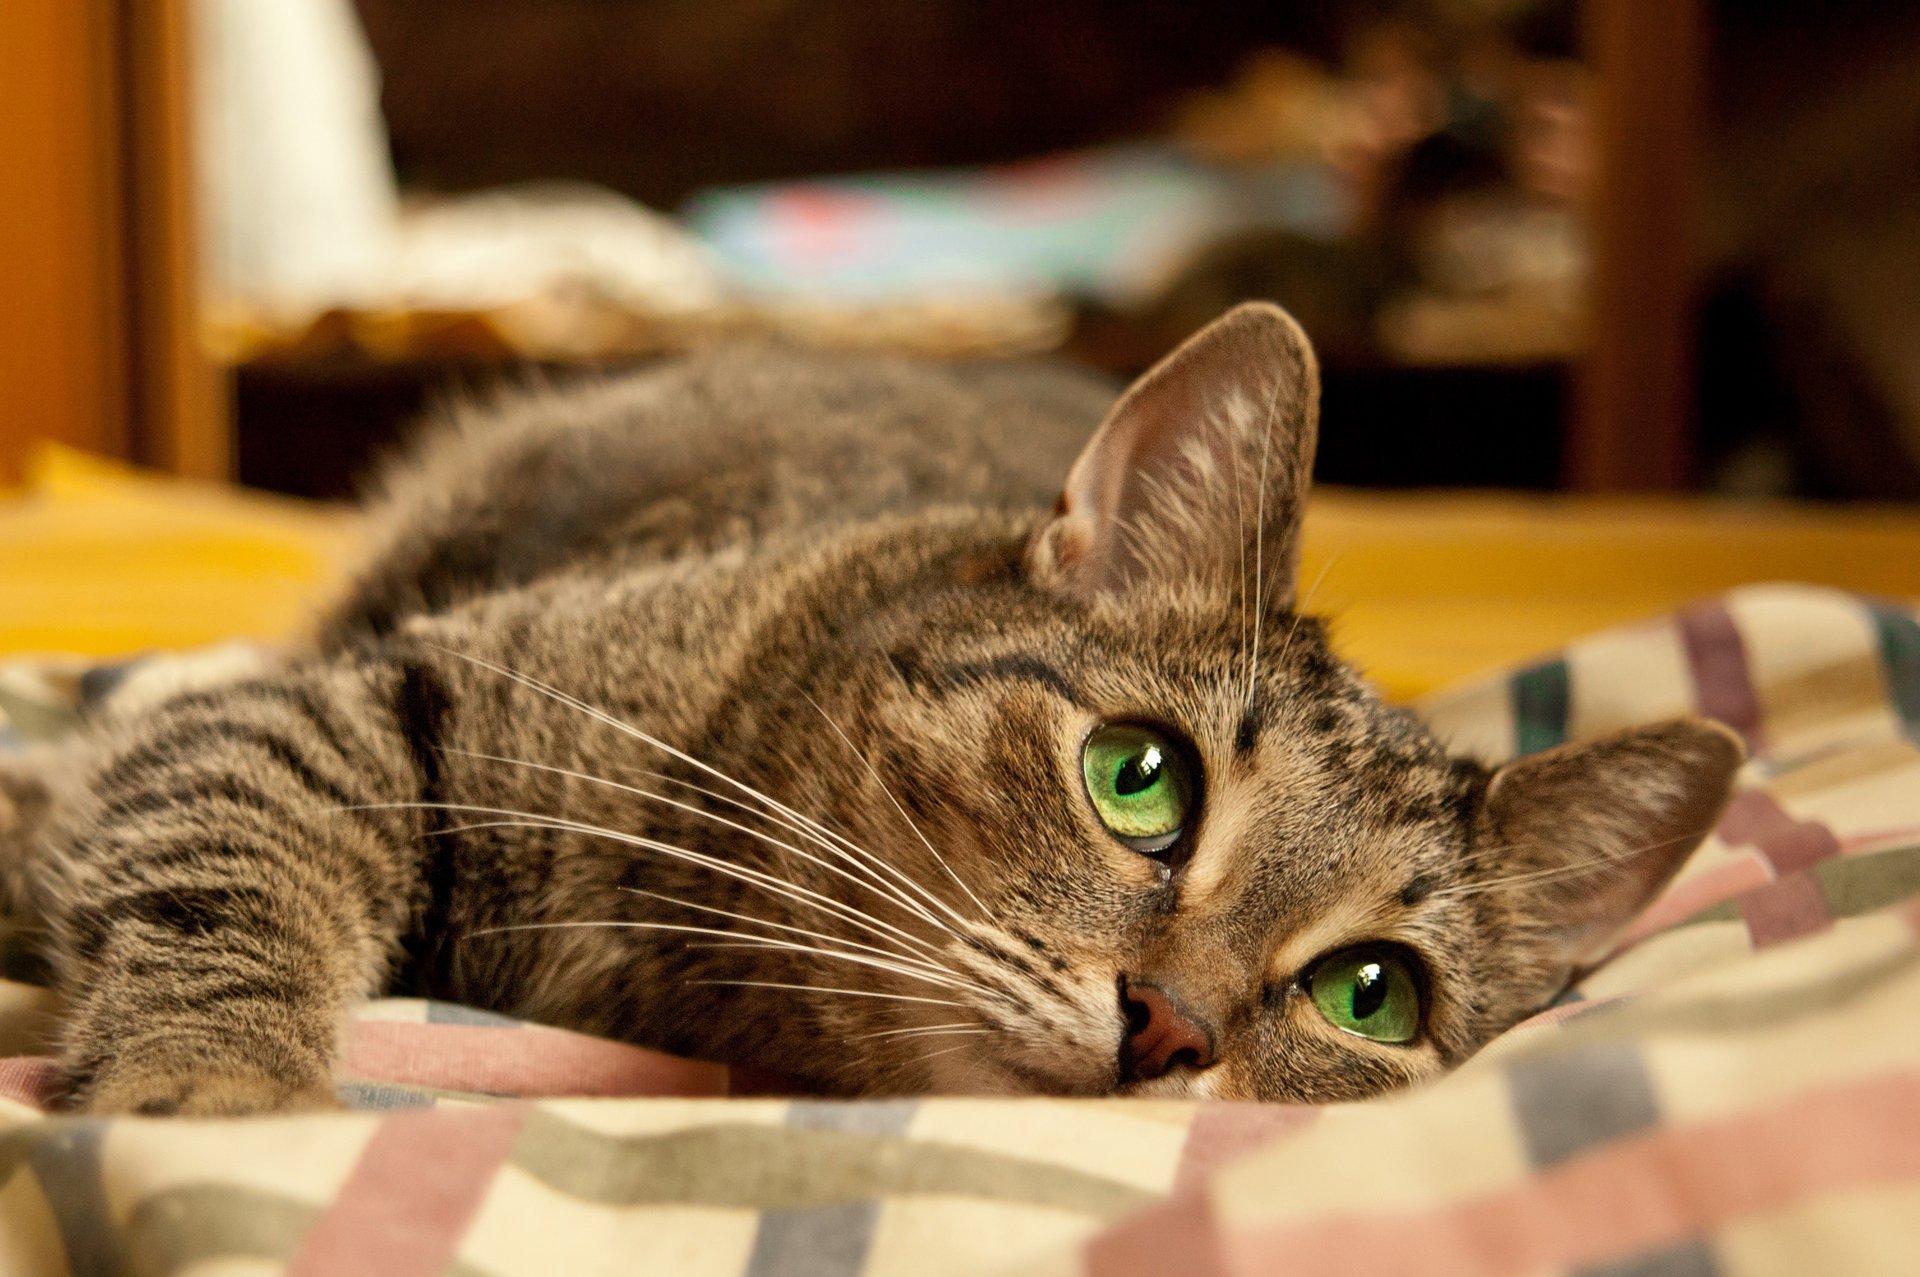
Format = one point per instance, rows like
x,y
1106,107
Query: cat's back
x,y
712,449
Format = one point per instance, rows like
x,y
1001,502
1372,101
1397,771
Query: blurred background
x,y
1604,246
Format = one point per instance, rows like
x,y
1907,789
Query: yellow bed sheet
x,y
1423,590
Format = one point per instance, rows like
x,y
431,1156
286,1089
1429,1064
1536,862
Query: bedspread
x,y
1737,1091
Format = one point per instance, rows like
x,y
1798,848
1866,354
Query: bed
x,y
1736,1091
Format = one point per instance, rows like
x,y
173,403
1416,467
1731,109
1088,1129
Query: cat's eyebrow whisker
x,y
937,857
802,931
767,882
1300,610
821,988
880,886
1260,541
1240,529
600,715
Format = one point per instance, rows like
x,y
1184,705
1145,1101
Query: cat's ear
x,y
1587,834
1199,472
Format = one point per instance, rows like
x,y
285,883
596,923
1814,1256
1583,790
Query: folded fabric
x,y
1736,1091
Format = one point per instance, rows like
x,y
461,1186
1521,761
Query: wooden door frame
x,y
1634,425
181,419
99,312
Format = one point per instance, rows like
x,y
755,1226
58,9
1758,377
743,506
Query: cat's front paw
x,y
213,1091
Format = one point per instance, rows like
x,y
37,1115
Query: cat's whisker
x,y
1260,543
891,1073
803,931
739,941
773,886
733,940
767,882
1240,540
1592,865
917,1030
600,715
773,818
1300,610
831,841
934,1055
879,886
937,857
799,831
821,988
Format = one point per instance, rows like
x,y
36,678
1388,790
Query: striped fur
x,y
734,709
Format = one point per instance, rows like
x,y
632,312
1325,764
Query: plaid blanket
x,y
1737,1091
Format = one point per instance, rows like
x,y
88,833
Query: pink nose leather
x,y
1160,1035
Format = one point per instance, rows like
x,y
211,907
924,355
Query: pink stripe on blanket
x,y
1794,906
1785,910
519,1062
1722,678
1179,1236
408,1202
1879,839
1789,844
1703,891
1221,1132
29,1079
1627,1198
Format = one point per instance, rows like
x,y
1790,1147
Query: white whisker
x,y
934,1055
1300,612
938,858
601,716
928,1031
774,818
1260,544
1591,865
733,939
767,882
802,931
769,942
1240,540
878,886
821,988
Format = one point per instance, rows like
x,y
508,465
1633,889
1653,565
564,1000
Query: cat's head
x,y
1165,842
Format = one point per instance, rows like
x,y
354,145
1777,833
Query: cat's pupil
x,y
1369,990
1138,773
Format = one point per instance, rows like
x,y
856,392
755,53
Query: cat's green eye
x,y
1369,992
1139,785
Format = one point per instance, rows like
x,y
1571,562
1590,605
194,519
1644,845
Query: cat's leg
x,y
224,884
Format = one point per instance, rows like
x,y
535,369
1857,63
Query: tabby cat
x,y
784,710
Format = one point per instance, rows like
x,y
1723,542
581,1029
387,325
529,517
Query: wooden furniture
x,y
1633,427
99,344
98,326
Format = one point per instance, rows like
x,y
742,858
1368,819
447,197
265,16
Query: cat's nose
x,y
1161,1034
